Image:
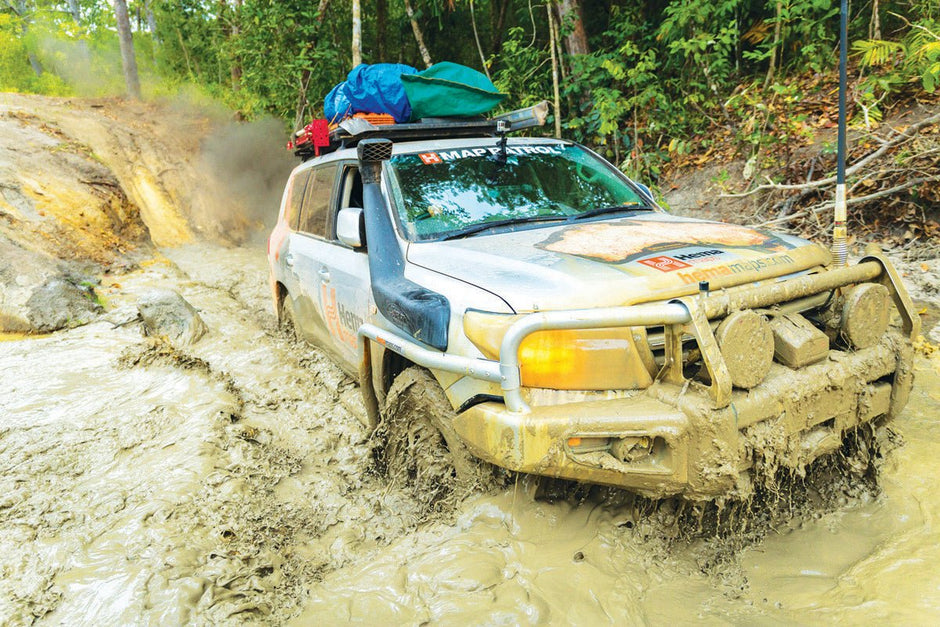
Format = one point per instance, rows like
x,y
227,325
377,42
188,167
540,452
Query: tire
x,y
288,320
419,447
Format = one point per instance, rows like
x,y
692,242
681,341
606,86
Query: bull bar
x,y
693,312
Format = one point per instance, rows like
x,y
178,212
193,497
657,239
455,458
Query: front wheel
x,y
287,322
419,446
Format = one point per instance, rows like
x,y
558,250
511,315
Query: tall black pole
x,y
839,246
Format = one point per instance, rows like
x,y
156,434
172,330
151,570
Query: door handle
x,y
324,274
289,260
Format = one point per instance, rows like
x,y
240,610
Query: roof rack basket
x,y
351,131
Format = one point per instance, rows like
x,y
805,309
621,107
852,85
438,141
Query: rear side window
x,y
295,194
316,203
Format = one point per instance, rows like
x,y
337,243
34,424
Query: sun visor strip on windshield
x,y
420,312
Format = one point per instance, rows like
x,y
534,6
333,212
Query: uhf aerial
x,y
839,244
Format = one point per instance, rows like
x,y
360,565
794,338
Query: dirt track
x,y
231,482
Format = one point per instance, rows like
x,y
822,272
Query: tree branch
x,y
851,201
897,140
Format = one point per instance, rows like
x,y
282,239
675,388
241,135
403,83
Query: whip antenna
x,y
839,245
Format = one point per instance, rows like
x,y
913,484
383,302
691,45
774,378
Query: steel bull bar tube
x,y
633,316
435,360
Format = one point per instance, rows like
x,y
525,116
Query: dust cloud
x,y
242,170
90,73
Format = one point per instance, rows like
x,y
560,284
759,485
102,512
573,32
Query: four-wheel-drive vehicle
x,y
574,328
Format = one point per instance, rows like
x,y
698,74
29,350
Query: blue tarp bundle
x,y
443,90
371,89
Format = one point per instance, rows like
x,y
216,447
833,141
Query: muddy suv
x,y
521,302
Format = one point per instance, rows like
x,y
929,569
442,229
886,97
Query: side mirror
x,y
351,227
647,193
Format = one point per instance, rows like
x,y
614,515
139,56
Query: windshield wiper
x,y
485,226
609,209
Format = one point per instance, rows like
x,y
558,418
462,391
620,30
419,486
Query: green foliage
x,y
657,77
892,65
521,73
809,31
16,72
923,53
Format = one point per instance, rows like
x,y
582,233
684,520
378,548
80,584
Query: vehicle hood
x,y
615,262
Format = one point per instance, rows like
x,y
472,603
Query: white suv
x,y
520,301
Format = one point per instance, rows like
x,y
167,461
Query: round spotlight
x,y
747,345
865,314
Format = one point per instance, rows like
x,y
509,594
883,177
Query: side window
x,y
352,188
316,201
295,194
350,193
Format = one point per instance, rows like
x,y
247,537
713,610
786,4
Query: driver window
x,y
352,188
350,194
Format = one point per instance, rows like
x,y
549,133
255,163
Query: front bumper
x,y
695,449
680,436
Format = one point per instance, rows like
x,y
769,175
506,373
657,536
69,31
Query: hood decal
x,y
627,240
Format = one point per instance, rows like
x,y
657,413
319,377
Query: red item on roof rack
x,y
312,137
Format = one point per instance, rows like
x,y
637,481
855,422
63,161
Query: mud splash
x,y
511,560
231,482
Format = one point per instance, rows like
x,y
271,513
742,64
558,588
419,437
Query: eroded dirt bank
x,y
230,481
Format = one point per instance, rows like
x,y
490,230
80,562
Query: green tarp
x,y
450,90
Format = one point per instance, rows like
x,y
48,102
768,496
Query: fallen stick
x,y
897,140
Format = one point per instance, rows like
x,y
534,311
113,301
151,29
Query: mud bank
x,y
231,482
89,187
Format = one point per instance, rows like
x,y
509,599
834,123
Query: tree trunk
x,y
569,12
551,45
775,47
356,33
20,9
499,23
381,17
236,70
76,13
425,55
131,77
152,20
476,38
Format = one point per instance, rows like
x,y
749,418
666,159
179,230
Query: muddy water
x,y
230,482
509,560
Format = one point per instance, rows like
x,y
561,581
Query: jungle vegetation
x,y
635,79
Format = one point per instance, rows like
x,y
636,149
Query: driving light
x,y
865,314
582,359
747,346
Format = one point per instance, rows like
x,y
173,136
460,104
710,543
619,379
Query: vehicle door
x,y
282,244
347,295
308,252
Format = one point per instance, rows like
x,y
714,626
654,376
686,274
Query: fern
x,y
878,52
923,59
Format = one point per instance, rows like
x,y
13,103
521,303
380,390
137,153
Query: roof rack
x,y
351,131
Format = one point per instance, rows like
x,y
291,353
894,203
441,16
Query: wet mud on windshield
x,y
231,482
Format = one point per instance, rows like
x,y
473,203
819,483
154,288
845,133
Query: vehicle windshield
x,y
450,193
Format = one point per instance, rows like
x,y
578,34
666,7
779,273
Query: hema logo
x,y
714,252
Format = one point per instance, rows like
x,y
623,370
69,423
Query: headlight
x,y
747,346
583,359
